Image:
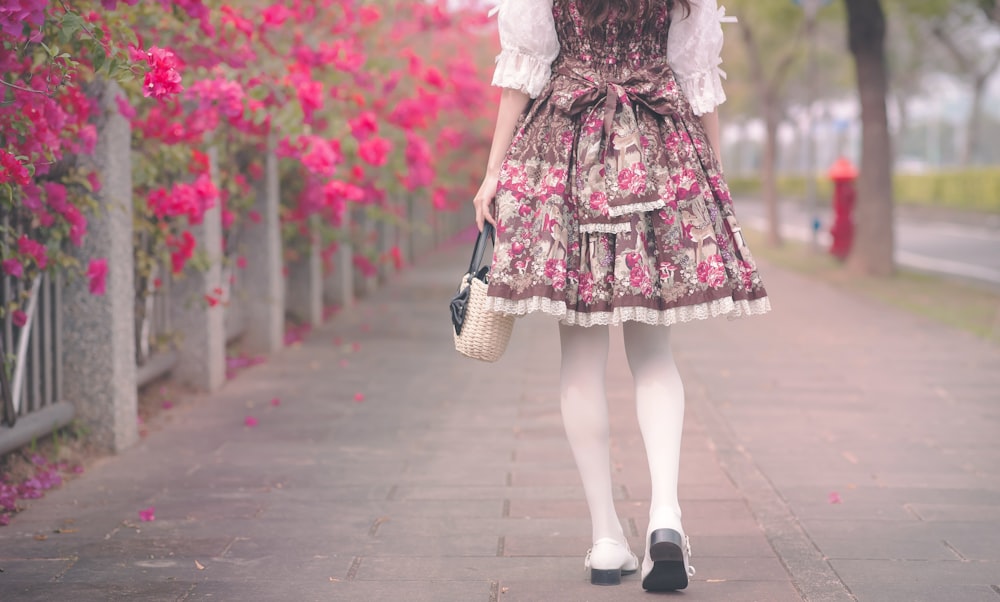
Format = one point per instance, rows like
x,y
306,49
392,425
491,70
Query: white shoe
x,y
608,560
666,566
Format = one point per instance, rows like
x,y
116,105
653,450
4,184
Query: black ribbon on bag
x,y
476,270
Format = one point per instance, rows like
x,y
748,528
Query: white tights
x,y
659,397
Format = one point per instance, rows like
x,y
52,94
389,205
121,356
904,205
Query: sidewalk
x,y
834,450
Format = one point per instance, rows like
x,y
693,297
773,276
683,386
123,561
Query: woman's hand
x,y
483,201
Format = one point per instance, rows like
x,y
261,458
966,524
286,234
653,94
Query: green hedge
x,y
966,189
972,189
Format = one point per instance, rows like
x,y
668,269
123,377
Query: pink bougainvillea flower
x,y
34,249
212,301
95,181
162,79
276,401
364,125
19,318
434,78
375,151
199,163
13,16
366,266
369,15
97,273
276,15
167,405
250,421
359,397
440,199
241,262
147,515
310,94
322,156
397,257
13,267
12,170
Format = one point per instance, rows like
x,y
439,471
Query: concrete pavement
x,y
834,450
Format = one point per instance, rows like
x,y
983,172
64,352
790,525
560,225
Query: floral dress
x,y
611,205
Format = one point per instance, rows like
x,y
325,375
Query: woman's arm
x,y
711,123
512,104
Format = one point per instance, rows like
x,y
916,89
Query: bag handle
x,y
480,248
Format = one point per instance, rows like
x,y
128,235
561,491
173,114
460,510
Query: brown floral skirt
x,y
611,206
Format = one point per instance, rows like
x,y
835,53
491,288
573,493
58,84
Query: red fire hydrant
x,y
843,174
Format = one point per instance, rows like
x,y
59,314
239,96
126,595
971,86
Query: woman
x,y
611,208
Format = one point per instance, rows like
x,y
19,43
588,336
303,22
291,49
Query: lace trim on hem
x,y
606,228
619,210
521,71
655,317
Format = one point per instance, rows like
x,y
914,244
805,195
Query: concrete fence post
x,y
196,311
305,281
264,277
98,350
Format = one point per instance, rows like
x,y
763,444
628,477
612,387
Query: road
x,y
970,251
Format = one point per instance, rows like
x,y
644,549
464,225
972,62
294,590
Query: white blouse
x,y
529,45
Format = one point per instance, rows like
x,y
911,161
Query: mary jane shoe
x,y
608,560
666,566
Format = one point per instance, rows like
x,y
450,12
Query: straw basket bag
x,y
480,333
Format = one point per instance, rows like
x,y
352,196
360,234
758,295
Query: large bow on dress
x,y
611,175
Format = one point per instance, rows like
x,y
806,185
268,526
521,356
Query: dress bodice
x,y
535,33
616,44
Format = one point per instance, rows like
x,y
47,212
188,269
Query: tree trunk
x,y
904,122
970,154
872,253
769,178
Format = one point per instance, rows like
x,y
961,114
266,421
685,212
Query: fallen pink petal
x,y
276,402
835,498
97,273
250,421
359,397
147,515
167,405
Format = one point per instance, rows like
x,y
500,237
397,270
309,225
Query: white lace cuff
x,y
521,71
704,89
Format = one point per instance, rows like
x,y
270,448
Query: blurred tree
x,y
872,253
967,48
772,34
910,59
964,35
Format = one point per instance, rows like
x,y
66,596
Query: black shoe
x,y
666,567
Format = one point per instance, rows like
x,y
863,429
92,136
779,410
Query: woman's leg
x,y
659,397
585,418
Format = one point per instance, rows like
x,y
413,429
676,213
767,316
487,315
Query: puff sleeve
x,y
694,49
528,45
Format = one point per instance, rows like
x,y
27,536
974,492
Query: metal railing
x,y
155,355
33,360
